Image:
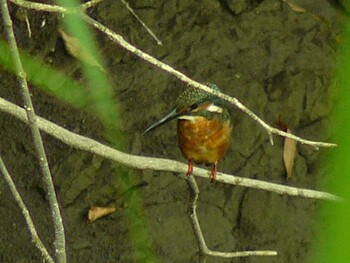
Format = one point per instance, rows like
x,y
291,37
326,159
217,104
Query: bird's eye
x,y
193,106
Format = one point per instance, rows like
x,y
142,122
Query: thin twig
x,y
140,162
192,213
203,248
90,4
34,234
142,23
41,7
122,42
60,9
270,130
28,27
53,8
59,243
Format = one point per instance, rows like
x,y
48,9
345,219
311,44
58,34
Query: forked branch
x,y
203,248
139,162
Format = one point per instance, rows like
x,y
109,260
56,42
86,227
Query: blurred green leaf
x,y
334,231
46,78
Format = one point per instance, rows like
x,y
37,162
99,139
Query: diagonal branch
x,y
90,3
159,42
270,130
203,248
59,242
122,42
35,238
140,162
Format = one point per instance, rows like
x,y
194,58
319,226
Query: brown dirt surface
x,y
276,60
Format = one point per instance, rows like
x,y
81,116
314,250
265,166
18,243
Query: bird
x,y
203,127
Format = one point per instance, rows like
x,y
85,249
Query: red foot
x,y
190,167
213,173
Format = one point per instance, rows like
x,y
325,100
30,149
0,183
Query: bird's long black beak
x,y
171,116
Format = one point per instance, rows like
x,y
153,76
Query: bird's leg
x,y
190,167
213,172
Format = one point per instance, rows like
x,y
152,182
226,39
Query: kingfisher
x,y
203,127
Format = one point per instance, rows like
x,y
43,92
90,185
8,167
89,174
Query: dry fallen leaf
x,y
295,7
299,9
77,50
289,151
96,212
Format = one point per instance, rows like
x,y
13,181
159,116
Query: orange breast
x,y
203,140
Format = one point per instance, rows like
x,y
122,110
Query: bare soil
x,y
276,60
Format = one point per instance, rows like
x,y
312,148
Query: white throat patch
x,y
214,108
211,108
190,118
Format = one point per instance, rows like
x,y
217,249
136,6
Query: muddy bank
x,y
277,61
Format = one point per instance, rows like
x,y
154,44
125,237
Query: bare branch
x,y
142,23
140,162
270,130
203,249
90,4
122,42
59,242
35,238
40,7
